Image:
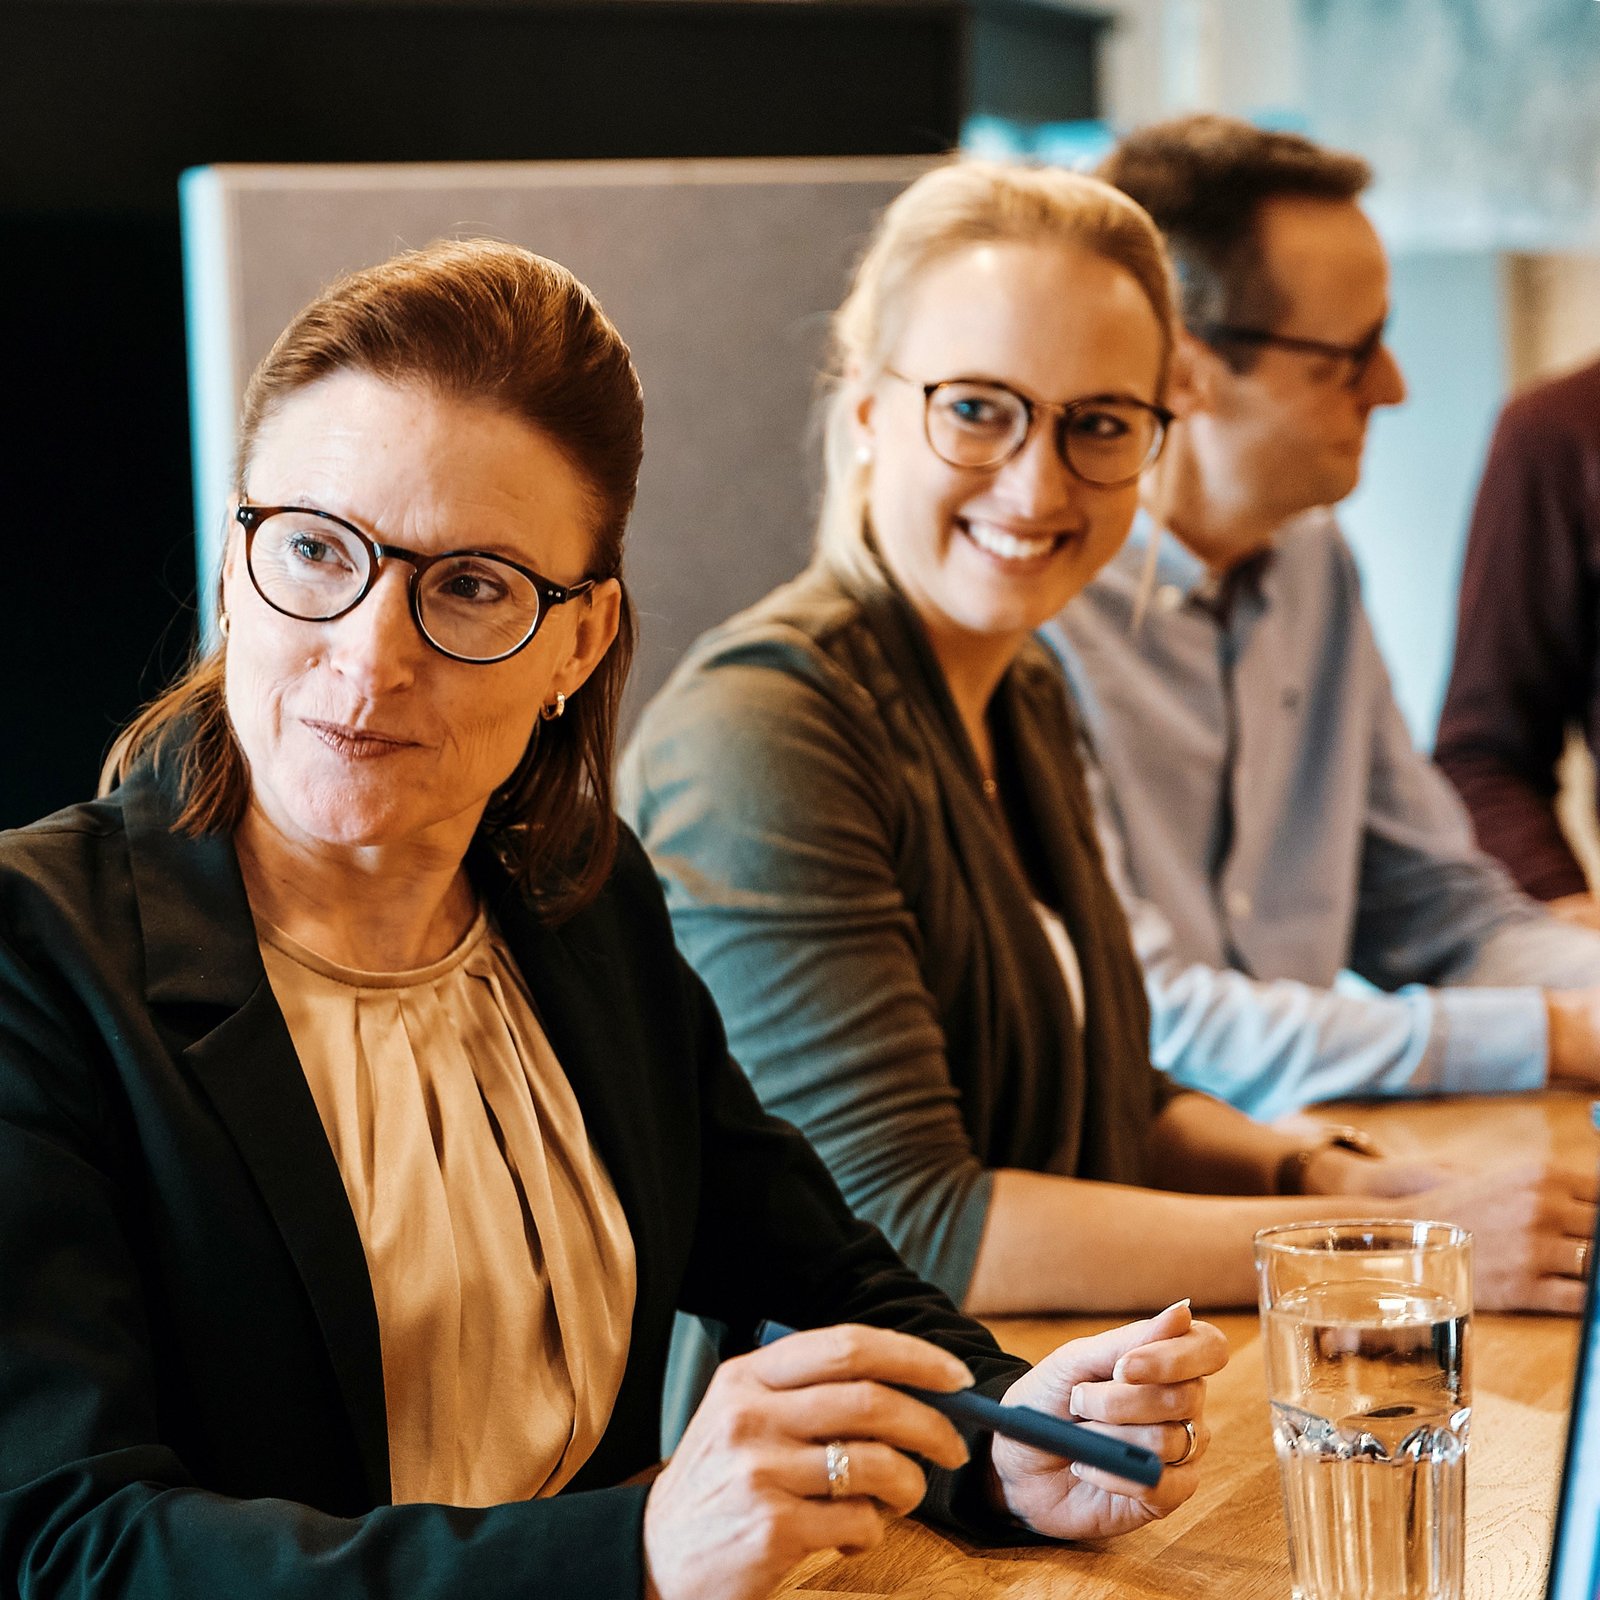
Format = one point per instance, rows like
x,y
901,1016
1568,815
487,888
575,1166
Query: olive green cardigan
x,y
839,879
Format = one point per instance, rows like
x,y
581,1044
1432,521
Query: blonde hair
x,y
492,323
964,203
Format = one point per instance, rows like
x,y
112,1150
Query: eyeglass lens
x,y
982,425
471,606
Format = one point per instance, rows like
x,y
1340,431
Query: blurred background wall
x,y
1479,114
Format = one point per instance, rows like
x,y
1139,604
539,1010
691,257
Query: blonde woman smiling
x,y
863,800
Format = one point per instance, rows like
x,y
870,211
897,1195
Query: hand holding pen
x,y
1143,1382
756,1482
806,1443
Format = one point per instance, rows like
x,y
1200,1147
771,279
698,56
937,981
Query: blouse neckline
x,y
359,978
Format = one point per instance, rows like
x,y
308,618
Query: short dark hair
x,y
1203,178
481,321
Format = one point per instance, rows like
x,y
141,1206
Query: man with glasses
x,y
1264,814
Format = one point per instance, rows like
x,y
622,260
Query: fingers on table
x,y
1574,1217
1552,1294
1583,1181
1561,1255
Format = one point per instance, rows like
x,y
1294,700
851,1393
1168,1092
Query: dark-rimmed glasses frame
x,y
1359,355
549,594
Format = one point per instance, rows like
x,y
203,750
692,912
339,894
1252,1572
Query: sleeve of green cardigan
x,y
767,803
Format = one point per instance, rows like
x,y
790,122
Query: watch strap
x,y
1290,1177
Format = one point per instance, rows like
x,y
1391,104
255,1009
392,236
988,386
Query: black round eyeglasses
x,y
467,604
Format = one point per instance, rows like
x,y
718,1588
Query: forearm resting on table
x,y
1065,1244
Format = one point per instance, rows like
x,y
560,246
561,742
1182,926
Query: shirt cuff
x,y
1486,1041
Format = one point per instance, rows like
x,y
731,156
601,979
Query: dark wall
x,y
1034,61
104,102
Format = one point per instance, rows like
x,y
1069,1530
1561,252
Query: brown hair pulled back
x,y
491,323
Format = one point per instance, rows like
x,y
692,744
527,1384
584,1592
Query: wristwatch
x,y
1290,1177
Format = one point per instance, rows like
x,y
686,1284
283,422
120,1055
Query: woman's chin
x,y
343,817
338,831
1014,608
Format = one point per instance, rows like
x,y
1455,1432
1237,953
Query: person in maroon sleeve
x,y
1527,658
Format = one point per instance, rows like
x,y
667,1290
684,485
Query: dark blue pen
x,y
1069,1440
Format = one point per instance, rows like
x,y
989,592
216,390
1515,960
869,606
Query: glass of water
x,y
1367,1331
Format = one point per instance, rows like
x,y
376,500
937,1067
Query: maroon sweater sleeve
x,y
1525,663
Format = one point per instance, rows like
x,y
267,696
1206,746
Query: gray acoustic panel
x,y
721,276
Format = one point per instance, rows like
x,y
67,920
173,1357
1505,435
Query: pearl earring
x,y
863,454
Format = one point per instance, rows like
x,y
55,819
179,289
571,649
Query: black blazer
x,y
191,1391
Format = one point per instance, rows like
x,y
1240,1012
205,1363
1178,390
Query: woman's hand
x,y
1142,1382
1531,1227
1527,1222
747,1494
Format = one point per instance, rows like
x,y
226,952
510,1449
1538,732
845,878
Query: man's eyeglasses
x,y
1354,359
1103,439
467,604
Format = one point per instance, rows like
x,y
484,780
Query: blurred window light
x,y
1078,144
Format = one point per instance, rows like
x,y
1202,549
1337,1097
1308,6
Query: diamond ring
x,y
838,1463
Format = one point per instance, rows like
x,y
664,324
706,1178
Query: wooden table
x,y
1228,1541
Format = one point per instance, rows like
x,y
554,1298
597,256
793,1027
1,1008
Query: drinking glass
x,y
1367,1331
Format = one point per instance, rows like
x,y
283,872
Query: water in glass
x,y
1370,1419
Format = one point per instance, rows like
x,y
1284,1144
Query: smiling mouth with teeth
x,y
1010,546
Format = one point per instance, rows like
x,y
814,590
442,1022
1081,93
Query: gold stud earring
x,y
554,709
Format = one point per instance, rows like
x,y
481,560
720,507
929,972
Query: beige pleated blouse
x,y
502,1265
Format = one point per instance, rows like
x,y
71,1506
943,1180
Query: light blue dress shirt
x,y
1271,830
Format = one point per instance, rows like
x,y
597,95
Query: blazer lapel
x,y
586,1008
580,1011
206,984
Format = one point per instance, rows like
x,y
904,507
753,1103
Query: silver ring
x,y
838,1462
1190,1448
1583,1258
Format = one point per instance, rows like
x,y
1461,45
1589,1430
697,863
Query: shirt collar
x,y
1183,576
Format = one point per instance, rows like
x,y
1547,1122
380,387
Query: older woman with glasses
x,y
863,798
360,1128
